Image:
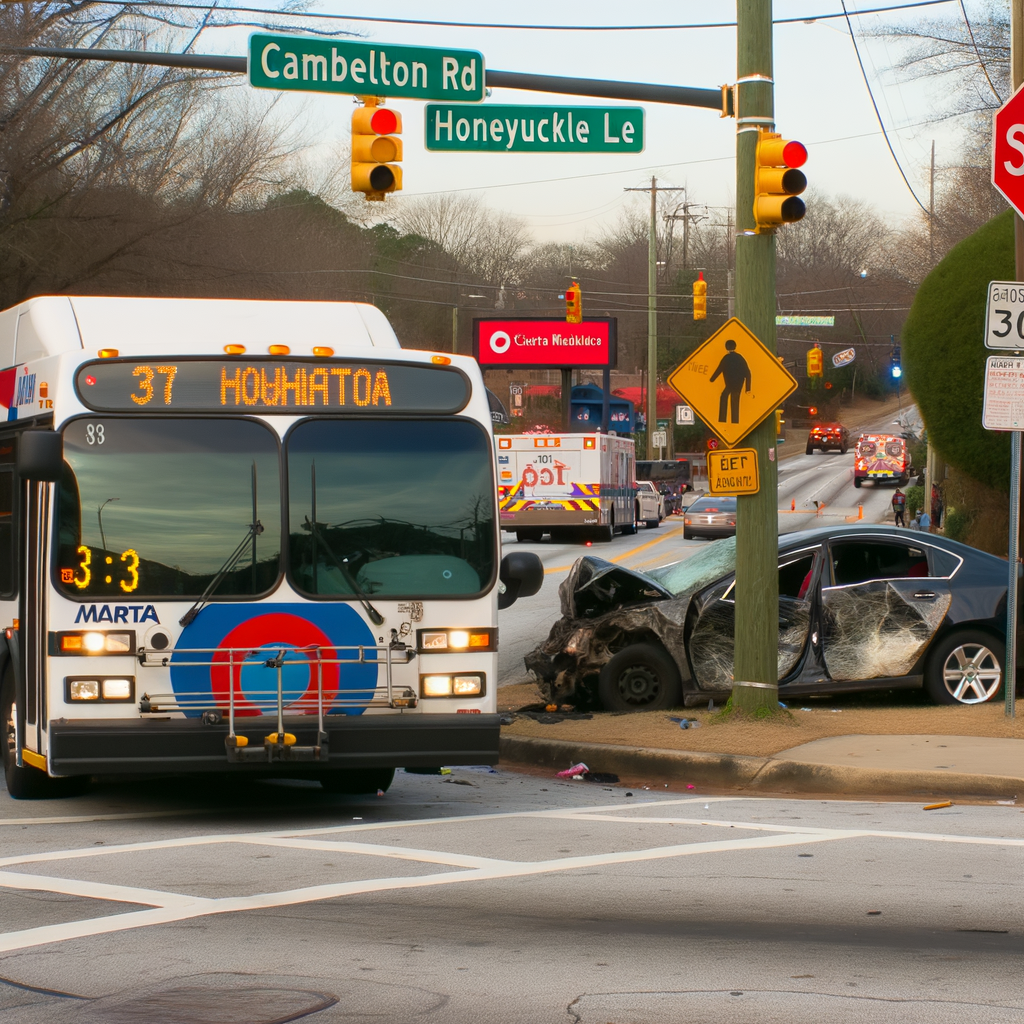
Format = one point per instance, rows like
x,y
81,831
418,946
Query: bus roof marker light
x,y
107,353
279,350
441,360
322,351
234,350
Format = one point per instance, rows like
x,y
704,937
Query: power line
x,y
510,25
881,123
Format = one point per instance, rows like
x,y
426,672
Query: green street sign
x,y
805,321
304,64
510,128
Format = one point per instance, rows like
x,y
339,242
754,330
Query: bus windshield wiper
x,y
342,563
253,531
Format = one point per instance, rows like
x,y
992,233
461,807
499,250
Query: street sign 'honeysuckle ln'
x,y
514,128
304,64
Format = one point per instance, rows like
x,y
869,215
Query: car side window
x,y
858,561
796,576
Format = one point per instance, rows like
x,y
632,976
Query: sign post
x,y
1008,178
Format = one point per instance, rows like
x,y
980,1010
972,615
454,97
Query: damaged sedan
x,y
860,608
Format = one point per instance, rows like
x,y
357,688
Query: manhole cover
x,y
231,1004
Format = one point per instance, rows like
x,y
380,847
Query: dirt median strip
x,y
746,773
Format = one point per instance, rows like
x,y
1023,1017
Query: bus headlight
x,y
100,689
84,689
93,641
464,684
483,639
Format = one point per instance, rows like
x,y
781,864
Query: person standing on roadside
x,y
899,504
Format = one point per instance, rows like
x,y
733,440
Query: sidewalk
x,y
853,746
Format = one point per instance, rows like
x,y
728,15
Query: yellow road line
x,y
626,554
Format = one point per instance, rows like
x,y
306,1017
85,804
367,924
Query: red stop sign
x,y
1008,150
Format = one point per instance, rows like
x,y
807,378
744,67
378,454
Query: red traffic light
x,y
813,411
794,154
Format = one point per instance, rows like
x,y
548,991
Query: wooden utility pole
x,y
755,671
652,310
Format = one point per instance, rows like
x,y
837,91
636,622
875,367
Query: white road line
x,y
245,837
376,850
264,901
97,890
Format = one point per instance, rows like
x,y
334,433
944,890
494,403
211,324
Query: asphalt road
x,y
513,898
823,477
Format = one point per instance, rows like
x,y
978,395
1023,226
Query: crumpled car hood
x,y
603,606
595,586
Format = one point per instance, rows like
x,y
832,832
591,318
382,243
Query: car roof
x,y
803,538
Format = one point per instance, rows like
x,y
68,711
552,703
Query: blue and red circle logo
x,y
243,648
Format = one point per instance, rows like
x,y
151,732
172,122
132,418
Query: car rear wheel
x,y
642,677
354,781
843,449
810,448
652,524
966,668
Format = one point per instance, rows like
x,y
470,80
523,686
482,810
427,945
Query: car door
x,y
711,645
882,607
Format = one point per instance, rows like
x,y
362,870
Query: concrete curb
x,y
754,774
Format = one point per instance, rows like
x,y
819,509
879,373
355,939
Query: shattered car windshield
x,y
711,563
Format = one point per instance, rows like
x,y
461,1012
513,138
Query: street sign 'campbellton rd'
x,y
732,382
305,64
531,129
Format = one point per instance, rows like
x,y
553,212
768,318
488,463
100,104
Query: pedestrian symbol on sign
x,y
733,369
732,382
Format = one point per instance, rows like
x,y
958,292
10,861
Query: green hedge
x,y
944,352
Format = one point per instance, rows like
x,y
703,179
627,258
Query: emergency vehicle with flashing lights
x,y
243,536
826,436
569,486
882,458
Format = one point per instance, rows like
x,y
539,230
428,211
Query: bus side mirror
x,y
40,455
522,572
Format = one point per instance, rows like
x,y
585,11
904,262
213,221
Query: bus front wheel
x,y
355,781
25,783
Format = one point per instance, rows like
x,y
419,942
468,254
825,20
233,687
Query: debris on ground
x,y
685,723
936,807
690,785
576,769
605,777
460,782
428,771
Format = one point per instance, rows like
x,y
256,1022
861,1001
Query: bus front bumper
x,y
138,747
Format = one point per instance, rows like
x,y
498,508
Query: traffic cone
x,y
792,505
860,510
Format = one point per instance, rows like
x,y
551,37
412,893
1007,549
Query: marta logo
x,y
119,613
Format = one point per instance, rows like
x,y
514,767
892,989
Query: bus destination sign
x,y
269,386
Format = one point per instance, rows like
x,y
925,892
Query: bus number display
x,y
269,386
82,574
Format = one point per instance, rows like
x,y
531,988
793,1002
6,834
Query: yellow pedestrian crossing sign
x,y
732,382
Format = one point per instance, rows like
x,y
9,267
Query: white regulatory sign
x,y
1004,316
659,439
1004,393
684,416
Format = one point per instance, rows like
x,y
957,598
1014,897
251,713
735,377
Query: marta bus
x,y
243,536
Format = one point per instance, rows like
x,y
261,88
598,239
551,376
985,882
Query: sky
x,y
821,100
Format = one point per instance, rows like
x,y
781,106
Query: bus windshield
x,y
154,507
395,508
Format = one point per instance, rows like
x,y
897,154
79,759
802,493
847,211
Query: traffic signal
x,y
812,410
573,304
777,182
376,149
700,298
894,363
778,422
815,362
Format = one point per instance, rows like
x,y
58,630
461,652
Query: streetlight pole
x,y
755,669
99,516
